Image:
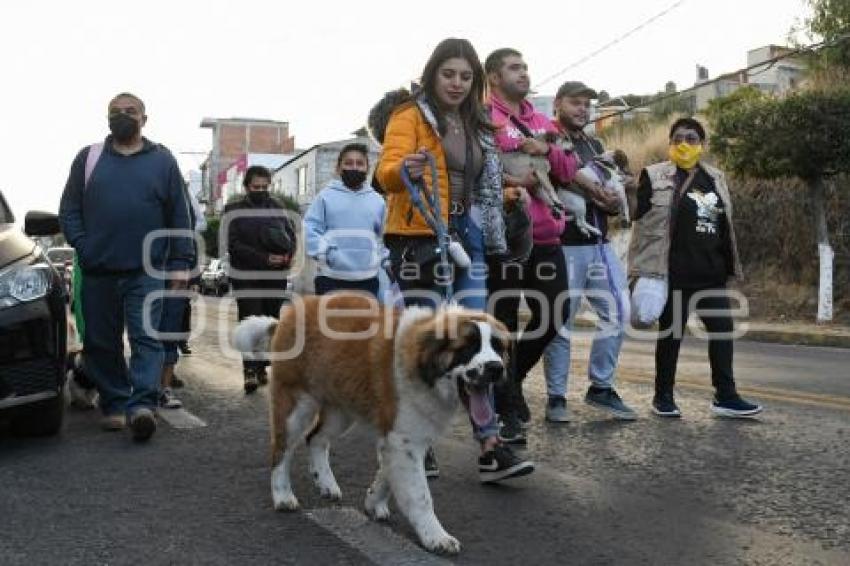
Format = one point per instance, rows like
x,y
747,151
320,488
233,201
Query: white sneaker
x,y
81,398
167,400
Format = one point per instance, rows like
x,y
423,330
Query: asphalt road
x,y
696,491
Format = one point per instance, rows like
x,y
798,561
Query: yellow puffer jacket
x,y
407,132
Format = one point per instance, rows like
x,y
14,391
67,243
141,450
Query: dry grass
x,y
644,141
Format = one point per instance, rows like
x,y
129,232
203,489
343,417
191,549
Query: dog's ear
x,y
439,343
433,359
507,347
621,160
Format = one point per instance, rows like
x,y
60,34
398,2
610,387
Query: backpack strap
x,y
520,126
95,151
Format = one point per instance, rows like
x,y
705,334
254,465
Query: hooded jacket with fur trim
x,y
413,126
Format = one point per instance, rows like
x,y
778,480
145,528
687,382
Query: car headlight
x,y
23,284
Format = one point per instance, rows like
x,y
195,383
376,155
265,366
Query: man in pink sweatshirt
x,y
543,277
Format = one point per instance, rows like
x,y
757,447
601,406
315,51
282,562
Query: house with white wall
x,y
308,172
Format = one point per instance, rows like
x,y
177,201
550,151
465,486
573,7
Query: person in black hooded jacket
x,y
261,242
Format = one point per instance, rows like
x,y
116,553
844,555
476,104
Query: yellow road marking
x,y
772,393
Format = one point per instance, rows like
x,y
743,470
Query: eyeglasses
x,y
692,139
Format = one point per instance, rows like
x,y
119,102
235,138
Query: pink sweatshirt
x,y
545,229
508,136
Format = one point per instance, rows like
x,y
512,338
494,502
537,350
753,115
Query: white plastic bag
x,y
648,300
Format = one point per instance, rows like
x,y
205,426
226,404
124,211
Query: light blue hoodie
x,y
344,231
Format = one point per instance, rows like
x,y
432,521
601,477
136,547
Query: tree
x,y
803,135
829,20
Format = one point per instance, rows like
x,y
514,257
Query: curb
x,y
797,338
786,337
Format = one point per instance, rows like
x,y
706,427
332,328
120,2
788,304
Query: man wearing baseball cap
x,y
593,271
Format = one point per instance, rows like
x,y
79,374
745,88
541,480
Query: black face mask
x,y
352,178
123,127
258,197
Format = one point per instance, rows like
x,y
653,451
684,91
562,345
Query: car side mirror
x,y
37,223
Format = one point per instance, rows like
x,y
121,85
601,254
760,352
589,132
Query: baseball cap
x,y
575,88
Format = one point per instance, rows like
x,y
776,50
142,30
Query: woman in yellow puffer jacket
x,y
446,118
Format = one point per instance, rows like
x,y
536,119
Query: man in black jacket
x,y
261,242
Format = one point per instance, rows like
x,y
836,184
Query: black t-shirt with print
x,y
699,246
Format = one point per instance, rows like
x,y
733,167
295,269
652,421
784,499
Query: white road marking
x,y
181,419
375,541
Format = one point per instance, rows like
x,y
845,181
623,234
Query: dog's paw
x,y
442,544
286,502
330,492
377,510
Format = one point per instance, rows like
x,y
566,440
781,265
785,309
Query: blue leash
x,y
431,213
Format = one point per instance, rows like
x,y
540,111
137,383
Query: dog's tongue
x,y
479,406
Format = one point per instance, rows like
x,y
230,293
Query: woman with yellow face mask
x,y
684,237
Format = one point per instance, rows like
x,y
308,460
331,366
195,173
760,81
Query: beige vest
x,y
650,246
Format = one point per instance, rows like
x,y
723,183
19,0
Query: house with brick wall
x,y
234,138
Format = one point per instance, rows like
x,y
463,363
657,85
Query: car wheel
x,y
40,419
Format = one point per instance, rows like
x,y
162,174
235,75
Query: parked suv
x,y
214,278
33,327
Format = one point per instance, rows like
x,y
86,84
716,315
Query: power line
x,y
610,44
769,63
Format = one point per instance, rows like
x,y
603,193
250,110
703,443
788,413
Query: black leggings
x,y
680,303
543,280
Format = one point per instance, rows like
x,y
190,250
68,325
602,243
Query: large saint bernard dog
x,y
347,359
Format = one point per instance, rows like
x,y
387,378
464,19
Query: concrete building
x,y
776,78
233,138
773,77
308,172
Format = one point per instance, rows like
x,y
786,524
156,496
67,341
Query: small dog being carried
x,y
607,171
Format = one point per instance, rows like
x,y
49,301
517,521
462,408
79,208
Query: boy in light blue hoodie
x,y
344,227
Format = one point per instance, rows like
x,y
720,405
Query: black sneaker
x,y
735,408
184,348
430,463
177,383
501,463
142,424
262,376
251,381
665,407
511,431
609,400
556,410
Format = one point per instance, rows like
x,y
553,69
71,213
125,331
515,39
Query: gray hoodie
x,y
344,229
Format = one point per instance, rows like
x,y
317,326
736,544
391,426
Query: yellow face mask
x,y
685,155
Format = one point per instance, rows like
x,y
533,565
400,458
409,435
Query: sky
x,y
319,65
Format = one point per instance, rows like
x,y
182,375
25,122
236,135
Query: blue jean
x,y
595,273
171,321
111,303
469,286
470,291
